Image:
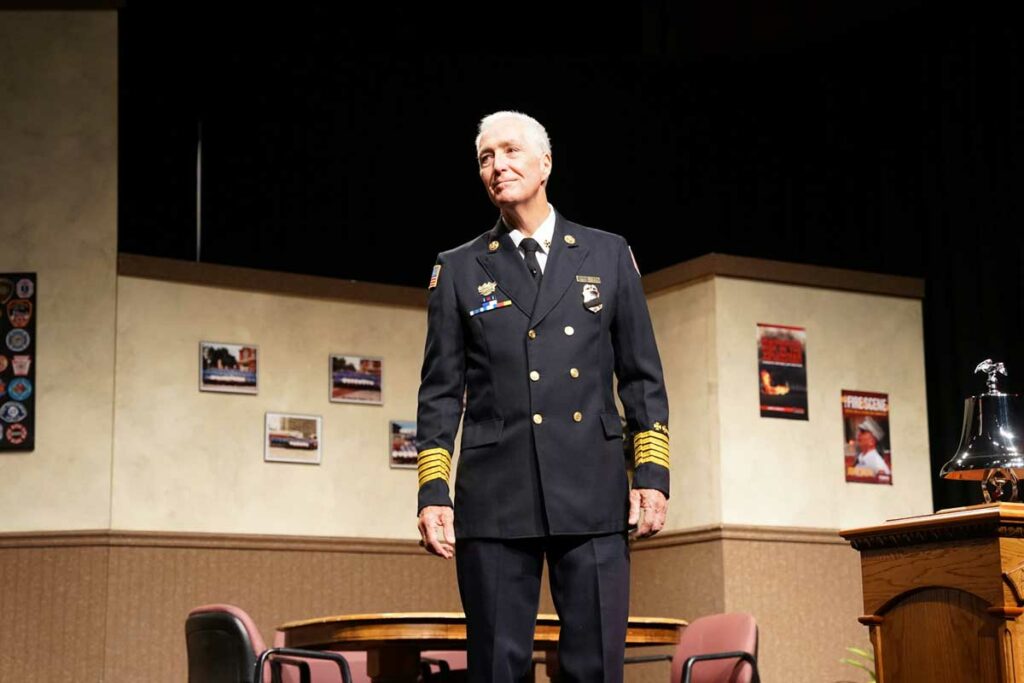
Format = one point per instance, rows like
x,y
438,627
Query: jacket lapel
x,y
508,269
564,261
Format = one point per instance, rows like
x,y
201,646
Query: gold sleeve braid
x,y
651,446
433,463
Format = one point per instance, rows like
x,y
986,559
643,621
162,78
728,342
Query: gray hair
x,y
535,132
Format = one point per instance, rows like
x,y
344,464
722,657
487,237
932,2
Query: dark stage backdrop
x,y
340,144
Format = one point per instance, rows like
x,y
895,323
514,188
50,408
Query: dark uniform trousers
x,y
499,581
541,470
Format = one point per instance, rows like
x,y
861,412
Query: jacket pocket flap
x,y
612,425
481,433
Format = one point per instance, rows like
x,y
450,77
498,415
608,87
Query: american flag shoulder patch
x,y
434,275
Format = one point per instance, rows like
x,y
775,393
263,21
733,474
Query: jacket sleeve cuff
x,y
434,467
651,459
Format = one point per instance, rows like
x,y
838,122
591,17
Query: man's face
x,y
512,168
866,441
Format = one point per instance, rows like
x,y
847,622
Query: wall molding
x,y
321,544
679,275
210,541
740,532
268,281
782,272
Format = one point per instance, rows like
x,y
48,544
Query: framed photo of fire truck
x,y
229,368
356,379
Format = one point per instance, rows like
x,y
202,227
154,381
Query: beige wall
x,y
729,465
791,473
684,326
58,213
186,460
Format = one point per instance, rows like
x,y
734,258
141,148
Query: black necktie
x,y
530,247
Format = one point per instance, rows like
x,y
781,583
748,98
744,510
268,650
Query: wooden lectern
x,y
944,595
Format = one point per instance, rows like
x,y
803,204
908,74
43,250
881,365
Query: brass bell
x,y
991,450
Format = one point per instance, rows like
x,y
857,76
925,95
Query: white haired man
x,y
531,320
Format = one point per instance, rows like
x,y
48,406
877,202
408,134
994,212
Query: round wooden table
x,y
393,641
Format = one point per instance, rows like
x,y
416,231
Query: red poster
x,y
782,371
867,454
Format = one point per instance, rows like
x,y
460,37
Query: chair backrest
x,y
223,645
717,633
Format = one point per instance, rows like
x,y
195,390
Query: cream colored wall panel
x,y
790,472
684,326
58,190
193,461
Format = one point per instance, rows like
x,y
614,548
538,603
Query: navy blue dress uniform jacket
x,y
542,449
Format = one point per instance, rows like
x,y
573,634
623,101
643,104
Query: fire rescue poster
x,y
782,371
866,454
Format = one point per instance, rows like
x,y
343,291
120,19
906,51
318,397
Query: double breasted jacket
x,y
542,449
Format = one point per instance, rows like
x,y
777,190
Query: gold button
x,y
534,375
532,334
569,331
493,246
569,239
577,416
574,373
537,418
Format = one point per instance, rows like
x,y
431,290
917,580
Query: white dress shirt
x,y
543,234
873,461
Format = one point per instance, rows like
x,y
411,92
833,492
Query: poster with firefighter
x,y
867,455
782,371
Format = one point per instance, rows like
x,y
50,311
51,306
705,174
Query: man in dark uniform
x,y
530,320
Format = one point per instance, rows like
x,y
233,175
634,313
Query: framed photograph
x,y
356,379
402,444
229,368
292,438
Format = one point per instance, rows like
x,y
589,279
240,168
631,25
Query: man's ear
x,y
545,166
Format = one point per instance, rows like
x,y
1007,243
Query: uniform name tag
x,y
588,279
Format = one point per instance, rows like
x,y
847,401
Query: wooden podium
x,y
944,595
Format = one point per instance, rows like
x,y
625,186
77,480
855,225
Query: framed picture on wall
x,y
292,438
402,444
18,311
356,379
229,368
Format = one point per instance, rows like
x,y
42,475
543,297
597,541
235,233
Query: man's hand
x,y
647,508
437,530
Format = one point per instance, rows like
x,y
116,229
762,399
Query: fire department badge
x,y
19,312
12,412
24,288
592,298
20,388
18,340
21,364
17,434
